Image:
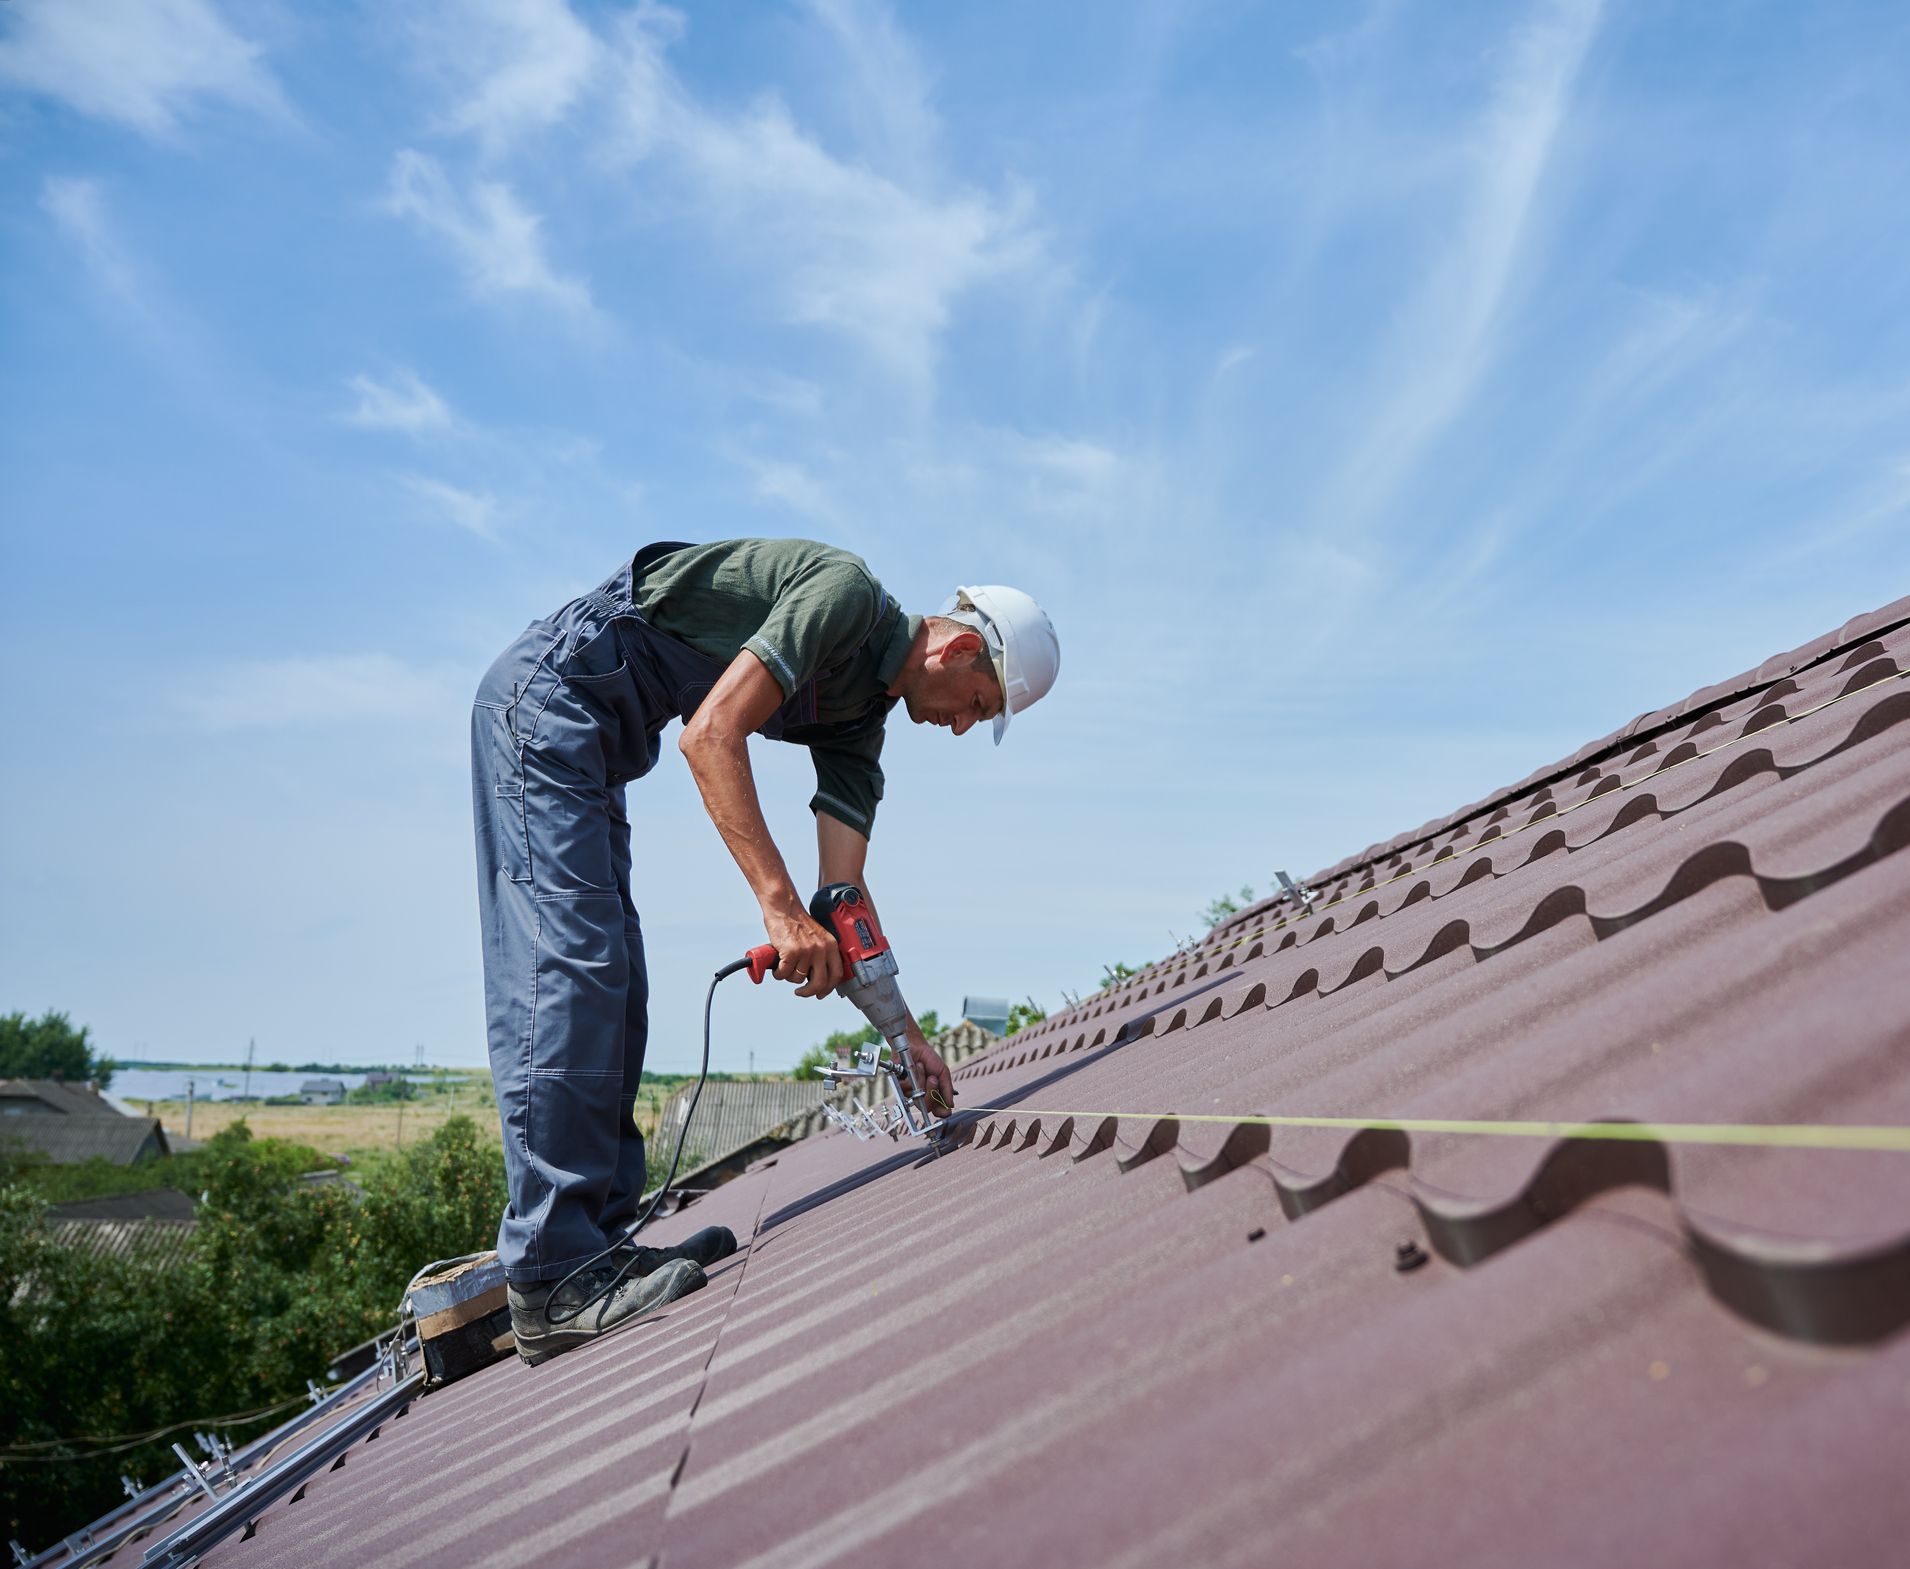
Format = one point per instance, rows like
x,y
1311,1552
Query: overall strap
x,y
650,555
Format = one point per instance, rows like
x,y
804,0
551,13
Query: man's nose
x,y
961,722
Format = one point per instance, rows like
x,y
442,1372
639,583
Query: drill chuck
x,y
871,986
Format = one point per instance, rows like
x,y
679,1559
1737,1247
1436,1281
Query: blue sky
x,y
1384,400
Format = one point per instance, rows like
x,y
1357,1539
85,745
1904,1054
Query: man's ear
x,y
962,648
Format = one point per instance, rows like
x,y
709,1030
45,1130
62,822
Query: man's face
x,y
954,697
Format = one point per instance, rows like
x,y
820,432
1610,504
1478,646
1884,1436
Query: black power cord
x,y
617,1279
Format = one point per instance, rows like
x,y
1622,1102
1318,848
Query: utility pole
x,y
190,1086
251,1051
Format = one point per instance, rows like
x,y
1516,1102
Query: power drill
x,y
868,981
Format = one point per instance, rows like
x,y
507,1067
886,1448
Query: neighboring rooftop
x,y
731,1116
147,1204
1249,1260
69,1140
41,1097
164,1241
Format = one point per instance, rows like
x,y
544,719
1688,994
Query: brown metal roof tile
x,y
1105,1327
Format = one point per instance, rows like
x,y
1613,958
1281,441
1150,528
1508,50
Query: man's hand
x,y
931,1075
805,952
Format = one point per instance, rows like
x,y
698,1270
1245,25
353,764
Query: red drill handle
x,y
762,959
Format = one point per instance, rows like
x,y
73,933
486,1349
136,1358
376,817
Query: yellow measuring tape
x,y
1743,1134
1758,1135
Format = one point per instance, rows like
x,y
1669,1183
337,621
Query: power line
x,y
123,1441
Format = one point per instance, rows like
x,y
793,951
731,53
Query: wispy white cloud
x,y
1451,330
886,91
497,242
786,394
793,486
471,510
141,304
513,67
1667,336
878,247
144,63
840,246
403,403
1066,471
323,690
78,209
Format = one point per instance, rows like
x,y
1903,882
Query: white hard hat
x,y
1020,640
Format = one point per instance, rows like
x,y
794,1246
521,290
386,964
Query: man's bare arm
x,y
715,743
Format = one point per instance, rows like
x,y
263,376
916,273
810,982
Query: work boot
x,y
709,1246
532,1305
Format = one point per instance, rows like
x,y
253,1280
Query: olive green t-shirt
x,y
809,612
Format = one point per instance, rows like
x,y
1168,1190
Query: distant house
x,y
731,1117
322,1092
67,1124
52,1097
156,1226
373,1080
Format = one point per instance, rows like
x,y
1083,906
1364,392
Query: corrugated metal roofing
x,y
147,1204
731,1116
1101,1330
147,1241
67,1140
58,1096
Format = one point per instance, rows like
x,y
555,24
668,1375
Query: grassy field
x,y
373,1129
343,1130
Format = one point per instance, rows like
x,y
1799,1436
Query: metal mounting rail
x,y
112,1530
251,1499
104,1536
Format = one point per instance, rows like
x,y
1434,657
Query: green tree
x,y
1219,909
49,1047
284,1274
379,1094
105,1347
1024,1014
434,1200
823,1054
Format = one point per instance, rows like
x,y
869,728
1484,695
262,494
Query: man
x,y
787,639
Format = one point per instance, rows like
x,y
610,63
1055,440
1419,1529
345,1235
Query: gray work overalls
x,y
570,713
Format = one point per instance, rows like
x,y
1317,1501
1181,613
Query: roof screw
x,y
1256,1234
1409,1255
